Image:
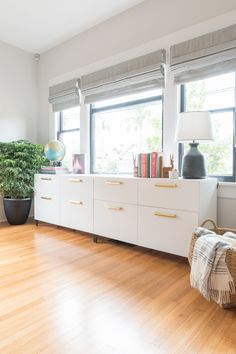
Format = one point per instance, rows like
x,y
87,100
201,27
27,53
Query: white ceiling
x,y
38,25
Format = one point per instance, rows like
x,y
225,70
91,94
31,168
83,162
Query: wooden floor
x,y
61,293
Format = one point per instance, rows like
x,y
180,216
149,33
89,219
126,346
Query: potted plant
x,y
19,161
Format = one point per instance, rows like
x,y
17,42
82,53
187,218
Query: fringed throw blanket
x,y
209,272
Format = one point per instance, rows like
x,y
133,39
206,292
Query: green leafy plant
x,y
19,161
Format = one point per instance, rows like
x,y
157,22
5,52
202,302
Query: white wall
x,y
18,97
18,94
227,205
147,27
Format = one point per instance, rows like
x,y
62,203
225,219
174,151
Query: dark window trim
x,y
182,109
223,178
60,127
91,140
125,104
94,110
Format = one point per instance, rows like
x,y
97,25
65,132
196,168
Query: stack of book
x,y
150,164
54,169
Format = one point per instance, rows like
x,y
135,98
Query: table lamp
x,y
192,127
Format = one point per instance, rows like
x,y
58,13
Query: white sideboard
x,y
156,213
47,198
76,202
116,208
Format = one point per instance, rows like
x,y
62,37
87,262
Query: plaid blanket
x,y
209,272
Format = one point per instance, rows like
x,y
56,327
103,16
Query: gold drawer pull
x,y
77,202
78,180
162,185
46,178
46,198
112,207
173,216
114,183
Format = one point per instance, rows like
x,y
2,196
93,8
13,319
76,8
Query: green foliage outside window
x,y
121,133
219,153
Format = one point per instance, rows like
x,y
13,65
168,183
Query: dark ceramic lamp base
x,y
194,163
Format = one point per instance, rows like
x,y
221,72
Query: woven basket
x,y
230,256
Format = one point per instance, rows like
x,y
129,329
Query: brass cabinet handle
x,y
78,180
114,183
46,178
46,198
77,202
168,185
164,215
112,207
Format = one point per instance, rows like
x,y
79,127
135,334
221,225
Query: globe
x,y
54,150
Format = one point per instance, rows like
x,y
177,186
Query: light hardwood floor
x,y
61,293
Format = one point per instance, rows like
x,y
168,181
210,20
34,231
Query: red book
x,y
153,164
144,165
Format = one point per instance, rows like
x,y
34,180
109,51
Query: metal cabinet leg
x,y
36,222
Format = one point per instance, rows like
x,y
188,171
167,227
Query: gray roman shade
x,y
64,95
132,76
204,56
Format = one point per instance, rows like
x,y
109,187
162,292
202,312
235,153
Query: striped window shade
x,y
136,75
64,95
204,56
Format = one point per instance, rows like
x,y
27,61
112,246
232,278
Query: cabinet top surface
x,y
128,177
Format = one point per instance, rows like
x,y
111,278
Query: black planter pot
x,y
17,210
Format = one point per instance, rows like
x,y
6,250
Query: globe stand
x,y
56,163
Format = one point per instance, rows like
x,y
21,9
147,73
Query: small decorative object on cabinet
x,y
135,166
173,174
167,169
55,152
193,127
149,165
78,163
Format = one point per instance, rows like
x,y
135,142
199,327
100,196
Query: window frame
x,y
60,129
223,178
136,102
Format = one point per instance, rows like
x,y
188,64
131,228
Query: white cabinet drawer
x,y
46,208
76,187
77,214
170,194
122,190
166,230
46,184
116,220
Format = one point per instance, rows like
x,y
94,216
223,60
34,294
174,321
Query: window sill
x,y
227,190
227,184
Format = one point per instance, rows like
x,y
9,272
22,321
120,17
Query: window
x,y
216,95
69,132
122,127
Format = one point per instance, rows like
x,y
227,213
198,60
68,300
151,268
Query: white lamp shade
x,y
194,126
